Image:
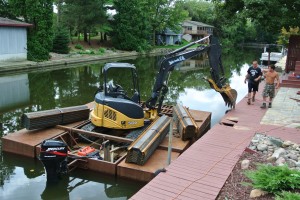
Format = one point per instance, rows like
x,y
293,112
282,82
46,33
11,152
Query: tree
x,y
131,27
165,14
83,16
40,36
6,10
285,35
61,42
200,10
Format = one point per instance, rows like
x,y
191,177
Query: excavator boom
x,y
217,80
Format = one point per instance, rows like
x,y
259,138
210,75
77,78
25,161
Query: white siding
x,y
13,43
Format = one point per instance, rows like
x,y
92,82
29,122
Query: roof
x,y
118,65
13,23
198,23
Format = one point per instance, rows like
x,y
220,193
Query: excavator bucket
x,y
229,95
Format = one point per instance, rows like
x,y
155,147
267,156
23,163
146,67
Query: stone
x,y
280,161
245,164
278,152
252,147
287,143
257,193
271,159
262,147
276,141
292,156
291,163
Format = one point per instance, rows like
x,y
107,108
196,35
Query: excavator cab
x,y
115,106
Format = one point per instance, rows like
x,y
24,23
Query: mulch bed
x,y
234,188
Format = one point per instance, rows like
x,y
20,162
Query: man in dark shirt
x,y
253,75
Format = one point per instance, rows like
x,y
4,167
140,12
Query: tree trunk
x,y
70,35
101,36
85,36
105,37
59,5
153,38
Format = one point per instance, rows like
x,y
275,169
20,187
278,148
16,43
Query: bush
x,y
79,46
101,50
288,196
274,179
61,42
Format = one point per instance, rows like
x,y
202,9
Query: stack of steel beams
x,y
144,146
184,122
48,118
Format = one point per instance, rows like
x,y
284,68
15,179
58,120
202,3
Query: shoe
x,y
270,105
253,99
249,102
263,105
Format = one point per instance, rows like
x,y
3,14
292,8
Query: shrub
x,y
288,196
79,46
101,50
61,42
274,179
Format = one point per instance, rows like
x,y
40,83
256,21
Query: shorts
x,y
269,90
252,86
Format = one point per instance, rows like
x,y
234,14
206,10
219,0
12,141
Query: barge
x,y
111,158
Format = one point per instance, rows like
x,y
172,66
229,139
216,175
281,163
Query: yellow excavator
x,y
115,110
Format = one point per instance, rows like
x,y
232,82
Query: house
x,y
13,40
168,37
196,30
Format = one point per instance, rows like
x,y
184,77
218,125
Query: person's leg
x,y
255,89
253,96
249,93
271,95
265,95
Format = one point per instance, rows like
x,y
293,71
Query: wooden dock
x,y
201,171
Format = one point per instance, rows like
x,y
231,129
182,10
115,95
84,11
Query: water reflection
x,y
26,180
14,91
211,101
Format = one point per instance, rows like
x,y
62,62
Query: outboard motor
x,y
53,155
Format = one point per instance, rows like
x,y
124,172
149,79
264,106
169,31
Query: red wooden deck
x,y
201,171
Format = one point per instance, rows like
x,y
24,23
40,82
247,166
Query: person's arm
x,y
246,77
259,77
277,84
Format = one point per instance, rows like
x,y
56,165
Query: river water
x,y
24,178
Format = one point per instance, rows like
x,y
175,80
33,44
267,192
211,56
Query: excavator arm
x,y
168,62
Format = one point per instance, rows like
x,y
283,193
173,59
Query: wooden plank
x,y
145,173
23,142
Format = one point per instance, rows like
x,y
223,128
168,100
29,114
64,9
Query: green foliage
x,y
274,179
285,35
61,42
40,36
131,25
6,10
200,10
83,16
288,196
36,51
165,14
101,50
78,46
